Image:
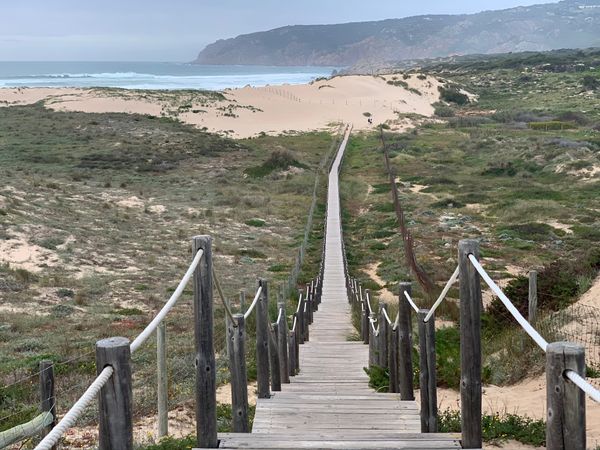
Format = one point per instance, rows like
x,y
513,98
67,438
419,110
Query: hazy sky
x,y
176,30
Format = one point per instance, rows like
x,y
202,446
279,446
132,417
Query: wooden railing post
x,y
310,302
274,357
161,380
427,374
262,342
292,353
393,361
373,356
242,300
206,383
565,425
366,314
236,336
470,345
47,397
115,425
405,369
282,343
532,310
384,337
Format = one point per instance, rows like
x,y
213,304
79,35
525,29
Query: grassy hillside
x,y
98,209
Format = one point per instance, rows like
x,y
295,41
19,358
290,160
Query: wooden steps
x,y
329,404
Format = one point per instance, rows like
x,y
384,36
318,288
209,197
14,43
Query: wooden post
x,y
470,345
532,297
427,374
162,382
306,321
274,357
311,304
242,300
300,319
206,386
365,321
115,403
236,336
393,361
565,424
405,369
292,353
384,336
297,343
373,356
262,342
282,343
47,397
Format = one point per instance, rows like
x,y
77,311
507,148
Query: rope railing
x,y
253,304
443,294
411,302
222,297
531,331
69,419
152,326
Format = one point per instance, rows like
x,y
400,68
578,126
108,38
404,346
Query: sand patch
x,y
248,111
560,226
20,254
157,209
384,293
131,202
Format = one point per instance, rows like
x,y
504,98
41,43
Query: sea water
x,y
151,75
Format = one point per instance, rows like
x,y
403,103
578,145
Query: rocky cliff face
x,y
567,24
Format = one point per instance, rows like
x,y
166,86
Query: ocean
x,y
151,75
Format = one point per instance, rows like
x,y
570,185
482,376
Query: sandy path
x,y
248,111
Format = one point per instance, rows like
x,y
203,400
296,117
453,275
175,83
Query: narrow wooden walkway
x,y
329,404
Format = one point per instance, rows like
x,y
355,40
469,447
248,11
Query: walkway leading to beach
x,y
330,404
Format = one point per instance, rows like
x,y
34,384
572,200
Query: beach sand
x,y
248,111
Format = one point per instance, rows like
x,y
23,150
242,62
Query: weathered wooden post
x,y
47,397
427,374
470,345
366,314
115,425
206,385
292,353
300,319
282,344
236,336
373,356
393,360
162,390
565,425
405,369
274,357
242,300
384,336
310,301
262,342
532,310
306,320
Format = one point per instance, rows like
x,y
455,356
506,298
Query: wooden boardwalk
x,y
329,404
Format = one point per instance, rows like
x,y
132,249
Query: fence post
x,y
282,343
427,374
274,356
115,403
532,310
366,314
470,345
292,353
47,397
405,370
262,342
306,320
236,336
373,356
393,360
242,300
162,383
565,425
384,335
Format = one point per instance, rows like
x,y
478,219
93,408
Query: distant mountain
x,y
566,24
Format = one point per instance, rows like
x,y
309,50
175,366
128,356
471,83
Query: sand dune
x,y
248,111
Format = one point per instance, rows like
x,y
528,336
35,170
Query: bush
x,y
279,160
551,125
444,111
452,94
590,83
255,223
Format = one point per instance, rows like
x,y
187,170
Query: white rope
x,y
537,337
299,303
76,410
152,326
294,324
253,304
411,302
223,300
583,385
387,318
375,330
442,296
396,322
279,316
368,296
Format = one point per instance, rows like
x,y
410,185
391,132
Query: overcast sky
x,y
176,30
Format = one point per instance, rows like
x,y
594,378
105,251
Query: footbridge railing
x,y
391,347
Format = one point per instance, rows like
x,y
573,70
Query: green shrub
x,y
551,125
444,111
279,160
379,378
590,83
452,94
255,223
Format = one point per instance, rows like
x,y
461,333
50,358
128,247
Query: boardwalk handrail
x,y
443,294
411,302
253,304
